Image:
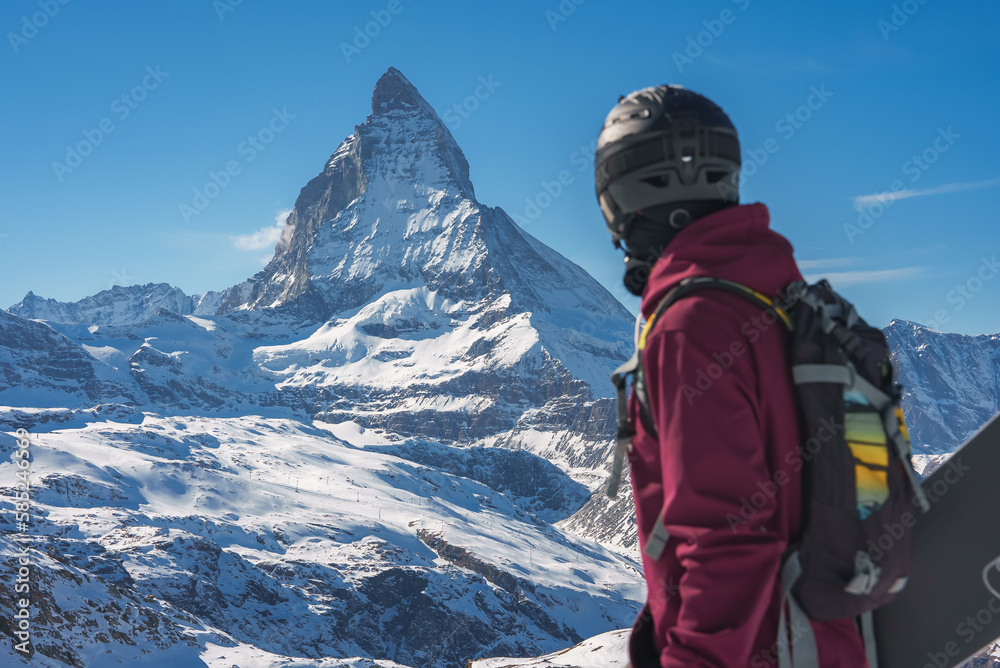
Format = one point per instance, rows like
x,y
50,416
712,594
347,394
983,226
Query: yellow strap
x,y
645,330
767,300
902,423
764,298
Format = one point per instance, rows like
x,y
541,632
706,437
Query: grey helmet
x,y
666,156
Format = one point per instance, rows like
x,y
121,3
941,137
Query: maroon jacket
x,y
721,471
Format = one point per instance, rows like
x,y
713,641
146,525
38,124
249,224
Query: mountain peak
x,y
394,215
394,91
118,305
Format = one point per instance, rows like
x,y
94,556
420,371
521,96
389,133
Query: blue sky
x,y
896,98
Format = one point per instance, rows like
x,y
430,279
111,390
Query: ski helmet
x,y
665,156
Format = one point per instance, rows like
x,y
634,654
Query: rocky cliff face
x,y
42,367
951,383
342,240
395,207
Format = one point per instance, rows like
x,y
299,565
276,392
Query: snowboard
x,y
950,608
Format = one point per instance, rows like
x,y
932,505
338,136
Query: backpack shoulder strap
x,y
626,430
689,285
683,289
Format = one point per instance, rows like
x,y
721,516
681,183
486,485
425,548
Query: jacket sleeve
x,y
719,493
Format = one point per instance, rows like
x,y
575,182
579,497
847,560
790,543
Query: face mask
x,y
644,244
637,274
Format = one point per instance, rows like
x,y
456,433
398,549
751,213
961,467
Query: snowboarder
x,y
717,493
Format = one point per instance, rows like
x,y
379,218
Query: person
x,y
717,495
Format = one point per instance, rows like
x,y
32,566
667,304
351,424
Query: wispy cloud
x,y
266,237
862,201
828,263
839,278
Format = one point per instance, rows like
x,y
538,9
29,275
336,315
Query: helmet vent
x,y
660,181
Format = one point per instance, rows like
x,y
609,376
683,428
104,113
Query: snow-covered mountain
x,y
951,383
394,299
119,305
366,450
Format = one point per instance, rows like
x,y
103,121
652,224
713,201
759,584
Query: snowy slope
x,y
608,650
282,537
41,367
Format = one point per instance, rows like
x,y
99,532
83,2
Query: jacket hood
x,y
736,244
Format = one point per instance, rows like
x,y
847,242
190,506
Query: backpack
x,y
858,482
